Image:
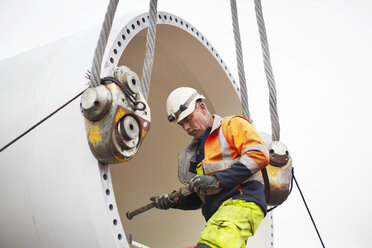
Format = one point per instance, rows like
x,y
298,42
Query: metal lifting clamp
x,y
277,174
279,171
117,116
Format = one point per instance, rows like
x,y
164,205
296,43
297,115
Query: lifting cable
x,y
272,90
150,49
148,63
95,78
94,75
102,42
270,80
268,71
239,58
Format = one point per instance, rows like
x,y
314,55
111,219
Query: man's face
x,y
195,123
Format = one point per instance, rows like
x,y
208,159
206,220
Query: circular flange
x,y
115,52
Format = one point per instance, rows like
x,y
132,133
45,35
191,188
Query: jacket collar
x,y
217,122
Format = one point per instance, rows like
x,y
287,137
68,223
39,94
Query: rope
x,y
102,42
37,124
94,75
272,89
307,208
270,80
239,57
268,71
150,49
96,66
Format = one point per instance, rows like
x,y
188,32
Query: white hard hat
x,y
181,103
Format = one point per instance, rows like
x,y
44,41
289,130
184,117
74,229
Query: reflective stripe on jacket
x,y
235,140
234,153
232,139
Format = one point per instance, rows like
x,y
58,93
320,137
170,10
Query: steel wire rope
x,y
94,75
102,42
268,72
242,80
272,92
150,46
150,49
239,58
41,121
308,210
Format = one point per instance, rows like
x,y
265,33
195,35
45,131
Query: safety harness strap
x,y
267,183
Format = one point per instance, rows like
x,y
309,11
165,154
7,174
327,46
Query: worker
x,y
222,167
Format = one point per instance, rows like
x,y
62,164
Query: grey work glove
x,y
163,201
204,184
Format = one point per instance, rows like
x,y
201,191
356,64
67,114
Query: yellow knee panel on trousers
x,y
232,224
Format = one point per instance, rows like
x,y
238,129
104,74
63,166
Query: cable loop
x,y
126,91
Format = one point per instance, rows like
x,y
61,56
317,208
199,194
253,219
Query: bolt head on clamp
x,y
279,155
95,103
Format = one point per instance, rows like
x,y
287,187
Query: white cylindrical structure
x,y
53,193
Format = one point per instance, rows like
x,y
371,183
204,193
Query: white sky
x,y
320,52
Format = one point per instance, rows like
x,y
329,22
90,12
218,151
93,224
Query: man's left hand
x,y
204,184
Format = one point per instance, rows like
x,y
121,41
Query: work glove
x,y
162,202
204,184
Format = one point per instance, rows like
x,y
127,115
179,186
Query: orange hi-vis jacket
x,y
235,154
231,139
234,141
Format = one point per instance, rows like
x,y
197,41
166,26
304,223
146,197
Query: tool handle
x,y
182,192
131,214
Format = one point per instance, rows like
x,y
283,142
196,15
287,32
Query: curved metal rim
x,y
119,44
141,22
